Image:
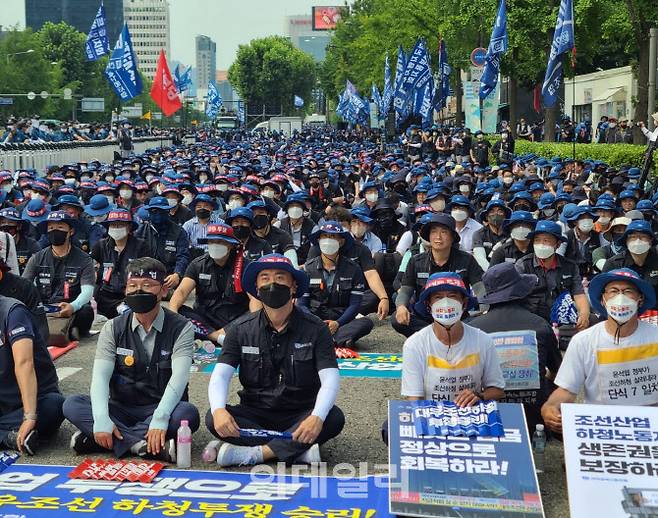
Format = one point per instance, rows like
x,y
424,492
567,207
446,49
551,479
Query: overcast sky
x,y
229,23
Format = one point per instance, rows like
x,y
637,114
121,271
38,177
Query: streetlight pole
x,y
29,51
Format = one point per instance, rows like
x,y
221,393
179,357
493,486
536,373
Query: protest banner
x,y
462,476
46,491
519,361
611,459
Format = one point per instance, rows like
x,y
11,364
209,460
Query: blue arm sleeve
x,y
182,253
352,310
86,292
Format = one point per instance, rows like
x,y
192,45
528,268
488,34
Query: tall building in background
x,y
78,13
148,22
206,59
303,36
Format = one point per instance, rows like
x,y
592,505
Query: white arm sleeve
x,y
481,257
326,398
292,255
218,386
404,243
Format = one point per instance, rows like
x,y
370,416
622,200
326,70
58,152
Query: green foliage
x,y
270,71
611,154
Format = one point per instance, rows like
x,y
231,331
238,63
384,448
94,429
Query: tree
x,y
270,72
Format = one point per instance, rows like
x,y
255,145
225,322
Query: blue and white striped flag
x,y
497,47
98,43
563,40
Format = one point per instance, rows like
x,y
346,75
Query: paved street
x,y
362,399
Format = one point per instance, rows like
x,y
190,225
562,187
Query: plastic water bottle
x,y
538,447
209,454
184,446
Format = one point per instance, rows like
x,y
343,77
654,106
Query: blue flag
x,y
416,74
98,43
442,90
121,71
388,90
183,81
214,101
497,46
241,112
563,40
299,102
400,67
351,107
425,105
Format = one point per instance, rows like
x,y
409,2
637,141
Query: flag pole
x,y
573,97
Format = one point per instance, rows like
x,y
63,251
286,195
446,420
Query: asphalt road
x,y
363,401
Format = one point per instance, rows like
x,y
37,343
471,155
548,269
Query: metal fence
x,y
41,155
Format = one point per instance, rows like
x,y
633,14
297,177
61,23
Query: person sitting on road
x,y
598,357
138,394
30,400
287,369
220,297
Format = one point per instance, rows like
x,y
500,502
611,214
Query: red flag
x,y
164,91
535,98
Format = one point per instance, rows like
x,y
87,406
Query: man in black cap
x,y
506,291
444,256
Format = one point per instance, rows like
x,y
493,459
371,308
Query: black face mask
x,y
274,295
10,229
386,221
241,232
141,301
57,237
261,221
202,213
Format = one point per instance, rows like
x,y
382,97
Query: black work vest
x,y
163,244
143,382
64,288
113,265
306,229
215,290
330,302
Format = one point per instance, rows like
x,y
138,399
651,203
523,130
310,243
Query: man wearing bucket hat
x,y
506,292
555,274
216,276
449,360
65,277
167,239
519,226
18,229
444,255
97,209
113,254
640,253
602,358
138,394
287,368
336,286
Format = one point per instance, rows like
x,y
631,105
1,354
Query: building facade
x,y
78,13
299,29
605,92
206,60
148,22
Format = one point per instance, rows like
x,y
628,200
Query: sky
x,y
228,23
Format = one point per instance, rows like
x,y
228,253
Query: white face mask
x,y
68,181
508,180
126,194
586,225
464,189
520,233
638,246
268,194
438,205
218,250
234,204
203,178
372,197
172,202
328,246
447,311
604,220
543,251
621,308
222,187
7,188
549,213
358,231
37,196
117,233
459,215
295,212
100,219
187,199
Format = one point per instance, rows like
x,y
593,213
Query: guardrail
x,y
41,155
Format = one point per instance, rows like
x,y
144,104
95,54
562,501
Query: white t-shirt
x,y
432,370
612,374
